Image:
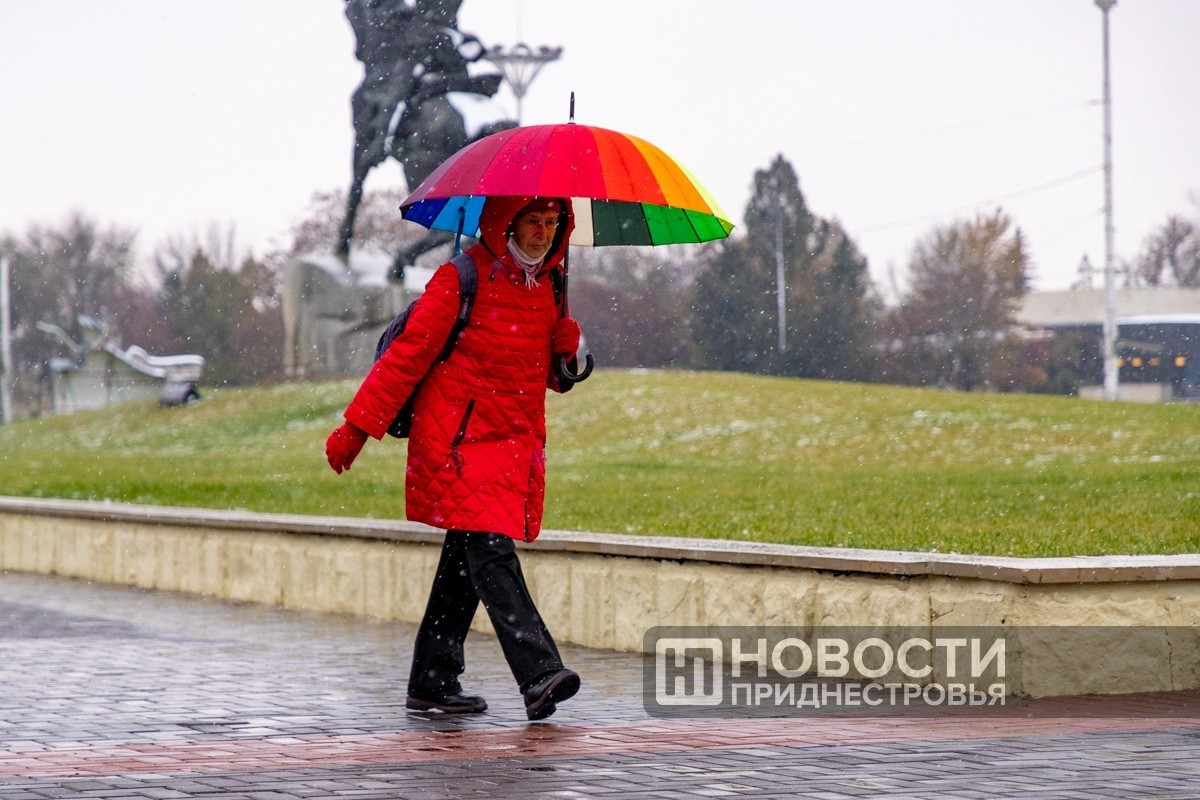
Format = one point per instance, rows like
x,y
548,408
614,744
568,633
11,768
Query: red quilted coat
x,y
476,452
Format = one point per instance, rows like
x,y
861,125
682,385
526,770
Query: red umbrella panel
x,y
624,190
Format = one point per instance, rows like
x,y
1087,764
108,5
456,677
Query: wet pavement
x,y
111,692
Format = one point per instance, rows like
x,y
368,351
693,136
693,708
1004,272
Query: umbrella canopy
x,y
624,190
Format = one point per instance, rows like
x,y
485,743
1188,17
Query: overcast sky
x,y
898,115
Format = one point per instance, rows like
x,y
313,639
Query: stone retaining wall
x,y
606,591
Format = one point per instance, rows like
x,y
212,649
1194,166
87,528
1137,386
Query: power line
x,y
1041,187
958,126
1072,226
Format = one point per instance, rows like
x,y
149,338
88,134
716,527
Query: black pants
x,y
478,567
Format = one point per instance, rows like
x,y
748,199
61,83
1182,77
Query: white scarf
x,y
529,265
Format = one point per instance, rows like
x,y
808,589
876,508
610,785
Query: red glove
x,y
343,446
565,339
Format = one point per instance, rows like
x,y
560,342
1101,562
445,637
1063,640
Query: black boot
x,y
543,697
457,703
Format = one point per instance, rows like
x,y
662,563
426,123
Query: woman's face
x,y
533,231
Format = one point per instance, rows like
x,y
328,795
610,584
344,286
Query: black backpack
x,y
467,282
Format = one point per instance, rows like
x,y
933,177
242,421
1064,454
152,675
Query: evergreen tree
x,y
729,324
735,304
214,313
828,306
844,313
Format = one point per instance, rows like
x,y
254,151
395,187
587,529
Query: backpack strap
x,y
557,283
468,282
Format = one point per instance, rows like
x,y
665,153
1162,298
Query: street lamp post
x,y
520,65
780,278
1110,288
6,359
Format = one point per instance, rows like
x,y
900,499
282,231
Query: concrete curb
x,y
1044,571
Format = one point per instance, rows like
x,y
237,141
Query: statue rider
x,y
413,55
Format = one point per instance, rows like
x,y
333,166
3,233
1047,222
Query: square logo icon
x,y
687,671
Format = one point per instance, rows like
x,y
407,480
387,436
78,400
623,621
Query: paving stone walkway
x,y
110,692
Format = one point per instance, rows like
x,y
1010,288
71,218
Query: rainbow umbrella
x,y
624,190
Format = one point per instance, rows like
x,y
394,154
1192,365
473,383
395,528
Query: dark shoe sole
x,y
562,689
417,704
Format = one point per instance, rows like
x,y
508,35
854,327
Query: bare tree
x,y
631,302
60,272
1171,255
956,325
218,243
378,227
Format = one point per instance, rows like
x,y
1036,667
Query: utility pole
x,y
1110,281
6,360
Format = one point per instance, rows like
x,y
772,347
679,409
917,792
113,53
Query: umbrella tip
x,y
572,119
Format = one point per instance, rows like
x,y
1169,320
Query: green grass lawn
x,y
716,455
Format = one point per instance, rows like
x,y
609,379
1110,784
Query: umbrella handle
x,y
462,219
564,372
560,367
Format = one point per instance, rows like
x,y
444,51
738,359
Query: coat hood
x,y
498,212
